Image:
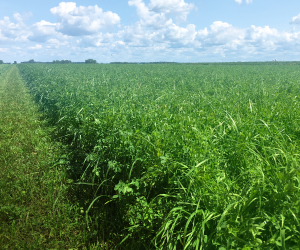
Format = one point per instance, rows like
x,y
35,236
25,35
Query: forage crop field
x,y
178,156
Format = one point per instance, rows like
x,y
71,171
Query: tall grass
x,y
179,156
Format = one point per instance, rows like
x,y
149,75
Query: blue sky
x,y
150,30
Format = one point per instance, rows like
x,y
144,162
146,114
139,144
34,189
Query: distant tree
x,y
65,61
31,61
90,61
62,61
1,62
15,62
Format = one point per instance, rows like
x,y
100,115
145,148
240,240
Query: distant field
x,y
179,156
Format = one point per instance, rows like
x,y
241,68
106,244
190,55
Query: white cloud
x,y
159,35
241,1
295,20
179,8
36,47
254,42
268,39
261,33
98,40
137,36
156,26
176,36
42,30
22,17
9,31
158,13
148,17
18,17
220,33
54,43
156,31
80,21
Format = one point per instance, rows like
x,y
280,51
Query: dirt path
x,y
34,212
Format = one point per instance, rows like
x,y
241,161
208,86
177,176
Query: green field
x,y
177,156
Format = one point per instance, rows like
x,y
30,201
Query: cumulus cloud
x,y
98,40
225,40
80,21
176,36
42,30
241,1
136,36
261,33
179,8
295,20
22,17
13,31
176,33
157,14
18,17
268,39
149,18
155,25
161,33
36,47
54,43
220,33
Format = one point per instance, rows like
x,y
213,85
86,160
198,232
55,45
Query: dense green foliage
x,y
3,68
90,61
61,62
180,156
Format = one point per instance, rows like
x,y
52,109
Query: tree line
x,y
1,62
60,61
